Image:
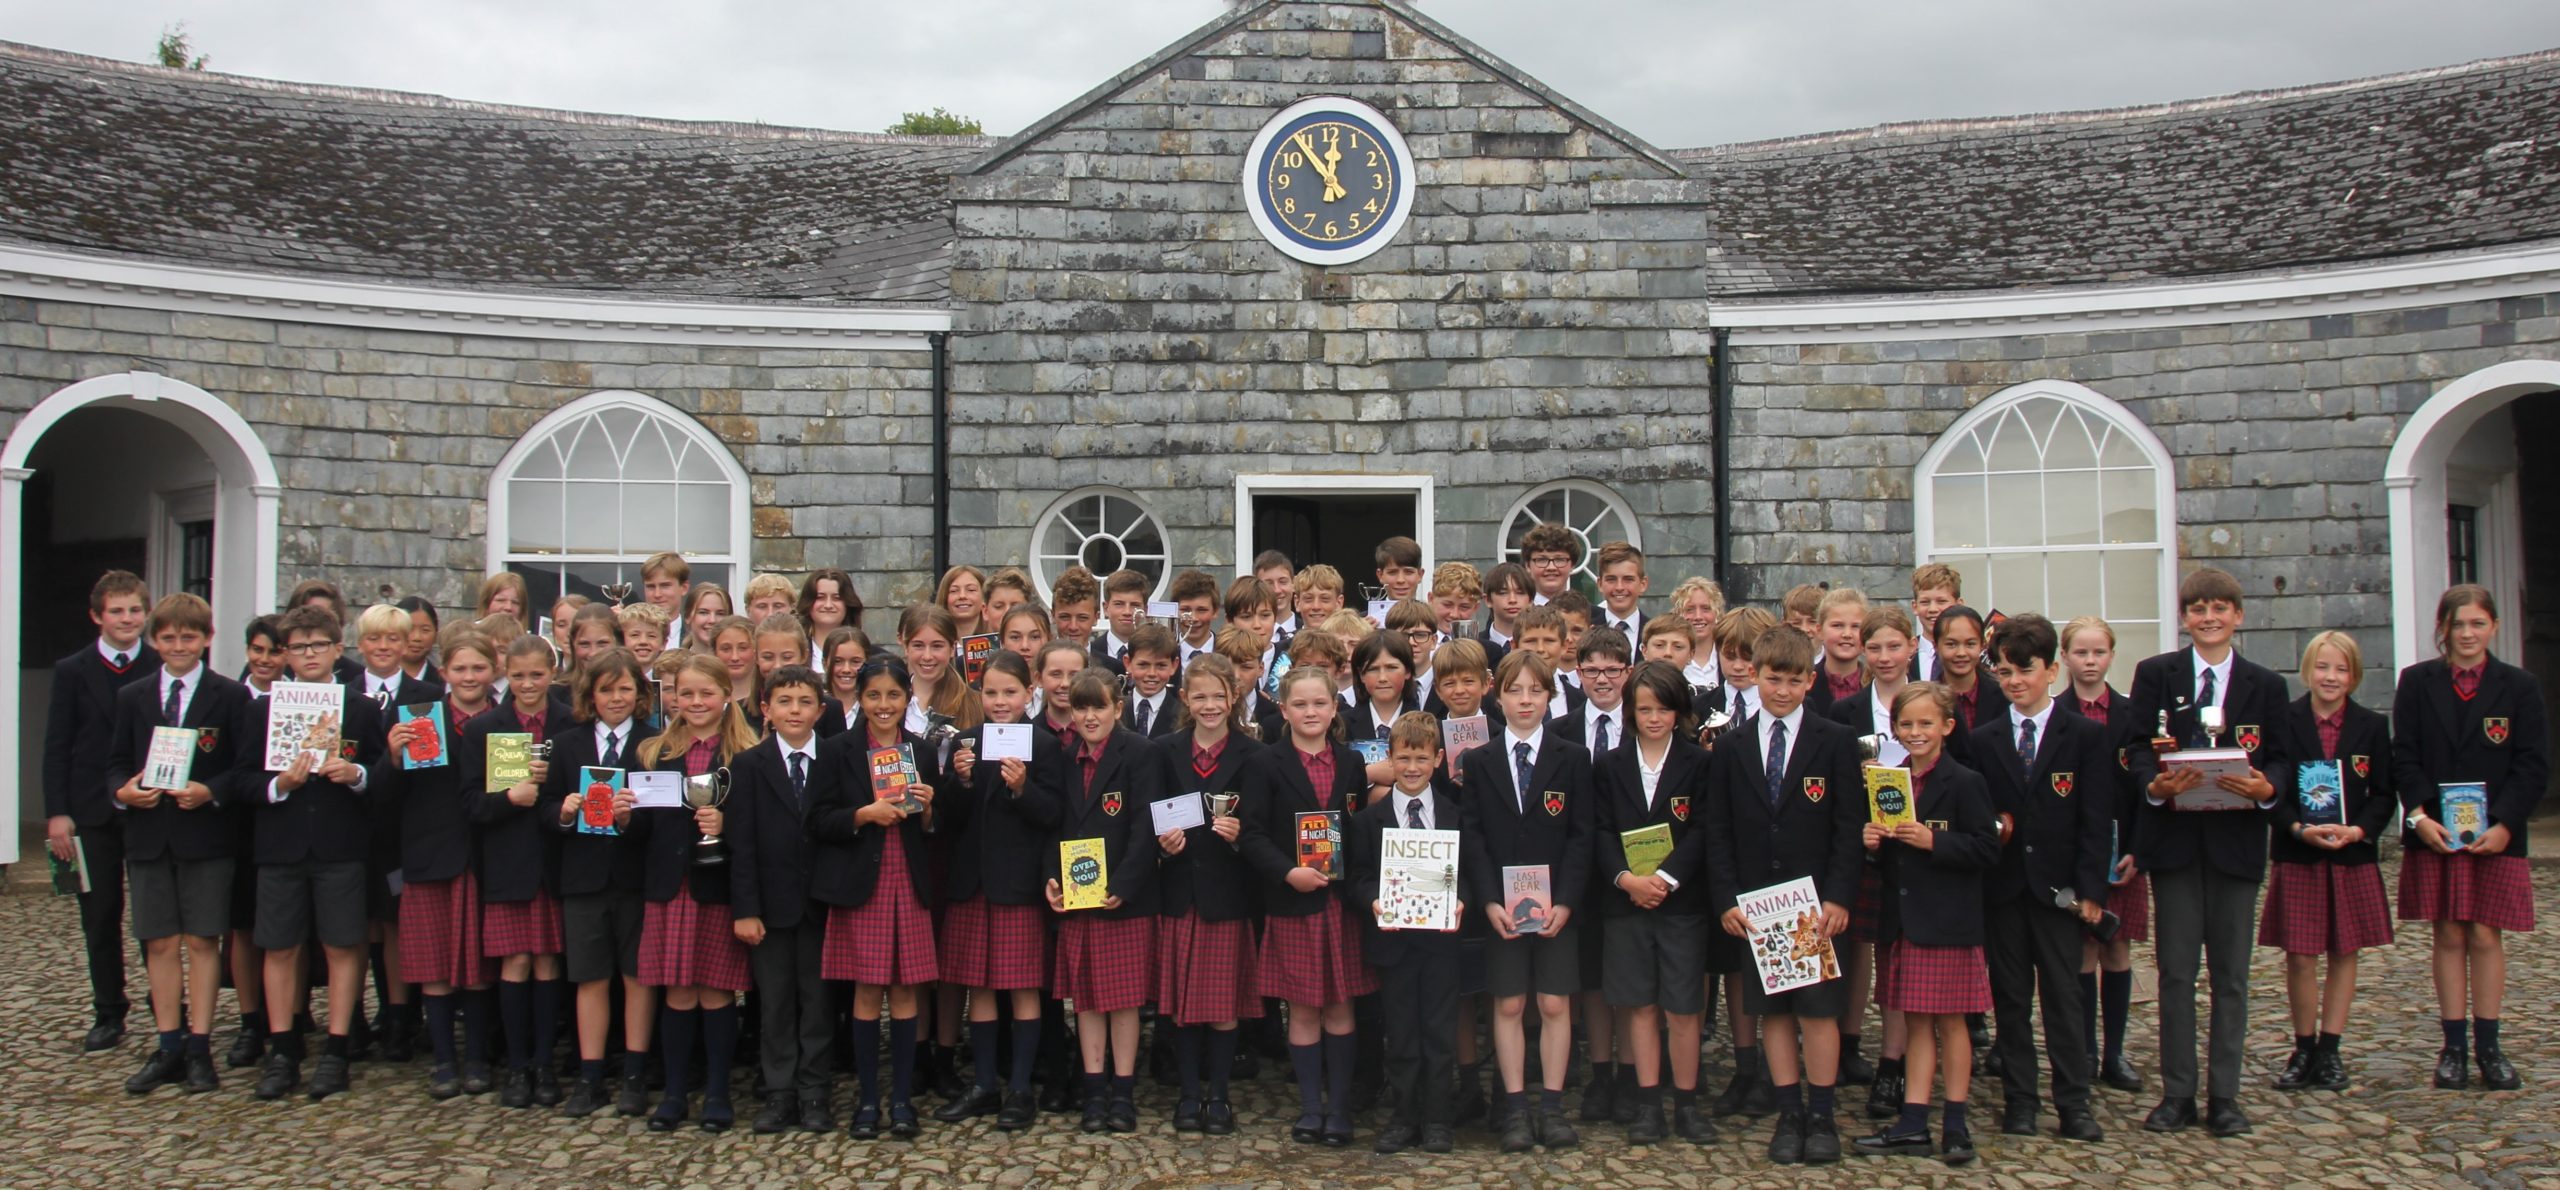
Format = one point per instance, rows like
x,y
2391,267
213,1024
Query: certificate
x,y
656,790
1182,811
1005,741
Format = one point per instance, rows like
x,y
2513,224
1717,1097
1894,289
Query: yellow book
x,y
1888,795
1647,847
1084,877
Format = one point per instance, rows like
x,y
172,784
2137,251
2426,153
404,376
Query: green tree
x,y
173,50
938,122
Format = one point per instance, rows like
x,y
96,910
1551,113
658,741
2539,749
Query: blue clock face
x,y
1329,181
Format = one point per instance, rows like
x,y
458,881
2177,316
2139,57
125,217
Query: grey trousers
x,y
2034,955
2200,914
791,1005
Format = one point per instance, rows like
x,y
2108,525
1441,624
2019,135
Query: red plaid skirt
x,y
2490,890
2324,909
520,927
1206,971
687,944
440,931
1105,964
2131,902
1869,907
887,942
1000,947
1936,980
1315,958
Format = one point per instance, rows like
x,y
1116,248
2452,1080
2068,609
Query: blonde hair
x,y
2346,647
2080,624
382,618
733,731
1840,597
1318,577
1457,578
1348,626
1694,585
771,584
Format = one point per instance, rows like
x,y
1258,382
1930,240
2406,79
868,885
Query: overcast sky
x,y
1677,72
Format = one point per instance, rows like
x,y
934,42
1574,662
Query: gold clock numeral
x,y
1355,221
1289,206
1283,182
1370,206
1377,181
1373,159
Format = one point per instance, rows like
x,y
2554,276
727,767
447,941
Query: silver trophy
x,y
2210,719
617,593
1871,747
708,791
1222,805
538,750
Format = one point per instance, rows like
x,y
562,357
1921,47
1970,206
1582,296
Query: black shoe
x,y
1186,1115
103,1036
2496,1072
2018,1119
444,1082
2297,1069
477,1079
1019,1112
671,1112
2120,1074
631,1096
1498,1113
1728,1102
1122,1116
1856,1070
2081,1126
717,1114
1821,1140
546,1086
329,1076
1437,1138
866,1123
200,1074
816,1114
2173,1115
1217,1118
1884,1099
398,1043
246,1049
903,1124
1517,1135
279,1077
2328,1071
1889,1143
779,1114
586,1098
1649,1127
1956,1148
517,1091
1055,1100
1557,1132
983,1101
1786,1139
1761,1097
1600,1100
1097,1116
1337,1132
2222,1117
1690,1123
161,1069
1394,1139
1471,1100
2453,1070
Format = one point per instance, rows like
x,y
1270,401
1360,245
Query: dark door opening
x,y
2537,419
1340,531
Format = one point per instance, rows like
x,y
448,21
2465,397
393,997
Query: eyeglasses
x,y
1550,561
311,648
1421,634
1605,673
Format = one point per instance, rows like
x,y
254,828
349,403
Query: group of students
x,y
886,886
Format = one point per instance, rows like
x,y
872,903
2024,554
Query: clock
x,y
1329,181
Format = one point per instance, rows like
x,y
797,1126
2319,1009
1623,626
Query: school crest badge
x,y
2124,760
1111,803
2364,766
2062,784
2496,730
1815,788
347,749
1680,809
1555,803
208,739
2248,737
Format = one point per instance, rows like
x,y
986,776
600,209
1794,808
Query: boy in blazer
x,y
2205,866
1784,801
773,912
178,839
2050,777
78,805
1656,962
314,832
1529,803
1417,969
1151,662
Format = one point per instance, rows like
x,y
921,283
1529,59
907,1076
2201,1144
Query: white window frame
x,y
1608,497
1422,487
500,535
2094,404
1040,531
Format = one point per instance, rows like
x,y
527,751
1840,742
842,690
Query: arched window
x,y
2048,497
1595,514
607,480
1103,530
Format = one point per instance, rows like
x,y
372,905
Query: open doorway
x,y
1337,520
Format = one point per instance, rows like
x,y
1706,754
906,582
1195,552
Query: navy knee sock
x,y
2115,993
719,1051
546,1019
1221,1061
440,1028
476,1004
982,1051
1307,1063
866,1061
1186,1059
902,1060
1339,1051
678,1030
1026,1053
515,1007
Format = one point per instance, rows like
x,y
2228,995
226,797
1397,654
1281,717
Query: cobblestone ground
x,y
65,1120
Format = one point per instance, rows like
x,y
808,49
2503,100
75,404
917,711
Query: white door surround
x,y
2417,487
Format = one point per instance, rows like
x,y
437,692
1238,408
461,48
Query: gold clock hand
x,y
1333,162
1332,186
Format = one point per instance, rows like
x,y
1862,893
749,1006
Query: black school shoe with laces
x,y
2496,1072
2297,1069
279,1077
2453,1069
1786,1139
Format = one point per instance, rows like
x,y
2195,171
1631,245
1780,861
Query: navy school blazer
x,y
1811,831
588,865
1000,839
845,868
1937,895
1276,791
2372,799
1364,843
519,853
1210,876
1553,827
1114,810
1678,801
2500,738
2233,841
218,710
2064,808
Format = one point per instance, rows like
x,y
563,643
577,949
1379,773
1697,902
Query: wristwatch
x,y
2413,818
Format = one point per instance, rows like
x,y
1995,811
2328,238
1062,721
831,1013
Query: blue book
x,y
2466,812
425,751
596,789
1371,751
2322,786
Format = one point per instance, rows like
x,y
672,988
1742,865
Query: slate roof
x,y
2432,161
206,169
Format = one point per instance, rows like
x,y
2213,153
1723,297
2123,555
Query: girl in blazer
x,y
2324,890
599,878
2106,968
1001,818
1656,928
845,650
688,942
1382,668
873,873
520,918
2469,717
441,922
1886,643
1934,971
1206,966
1105,955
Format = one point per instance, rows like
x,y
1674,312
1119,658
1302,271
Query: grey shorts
x,y
293,897
173,896
1656,960
1549,965
601,934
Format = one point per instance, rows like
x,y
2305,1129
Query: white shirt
x,y
1702,675
194,680
1750,702
1511,741
383,690
1632,625
2221,678
1927,657
1155,708
1189,652
2018,719
621,747
1591,717
109,652
1112,645
1775,761
1557,706
1405,802
1890,750
808,754
1495,635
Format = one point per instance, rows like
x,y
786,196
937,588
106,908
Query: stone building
x,y
256,332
